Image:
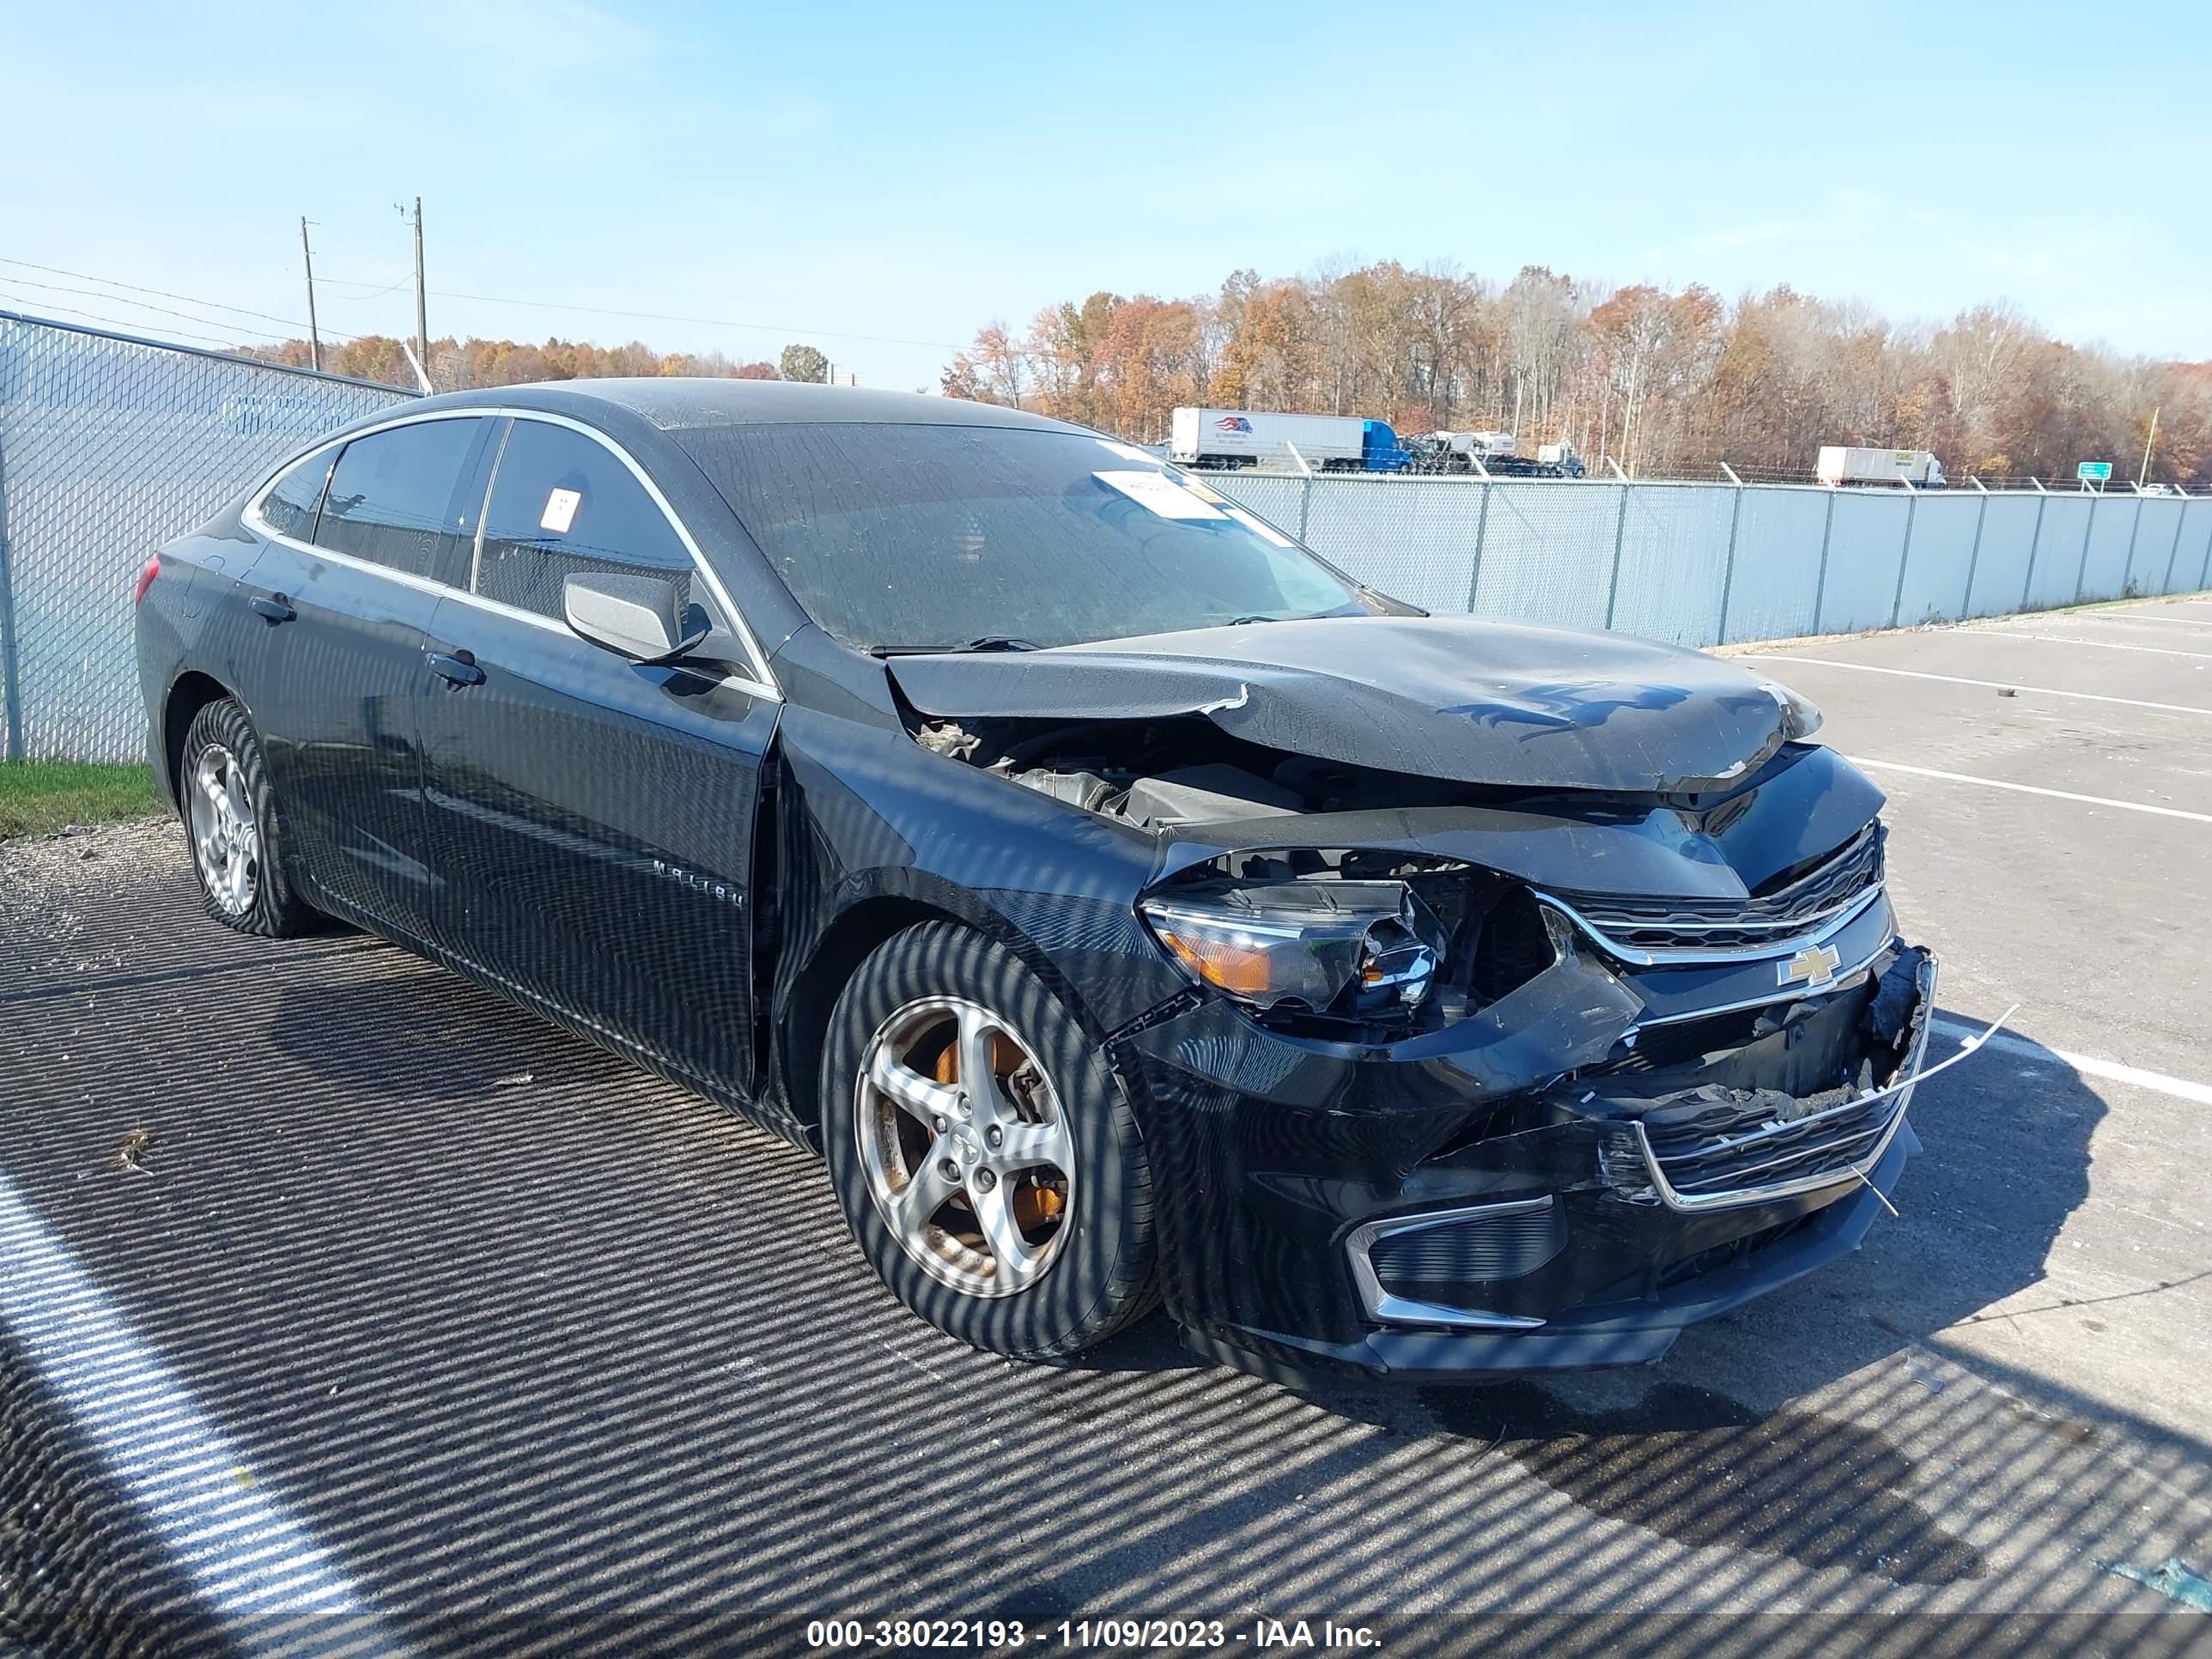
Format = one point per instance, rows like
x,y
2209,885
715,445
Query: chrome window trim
x,y
762,682
1679,955
1390,1309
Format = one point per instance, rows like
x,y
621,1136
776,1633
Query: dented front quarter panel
x,y
874,818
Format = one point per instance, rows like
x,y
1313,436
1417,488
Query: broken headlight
x,y
1354,949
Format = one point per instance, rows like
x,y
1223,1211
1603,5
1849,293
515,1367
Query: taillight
x,y
146,581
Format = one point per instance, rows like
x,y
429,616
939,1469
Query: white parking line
x,y
2102,644
2029,789
2088,1065
2146,616
1996,685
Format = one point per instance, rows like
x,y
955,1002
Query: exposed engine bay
x,y
1175,771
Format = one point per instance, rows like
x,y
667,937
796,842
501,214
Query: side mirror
x,y
637,615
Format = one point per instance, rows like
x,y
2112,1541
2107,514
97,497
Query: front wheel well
x,y
193,692
837,957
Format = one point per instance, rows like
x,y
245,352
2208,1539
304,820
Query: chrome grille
x,y
1738,1151
1835,885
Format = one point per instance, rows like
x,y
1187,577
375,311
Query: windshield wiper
x,y
986,642
1309,615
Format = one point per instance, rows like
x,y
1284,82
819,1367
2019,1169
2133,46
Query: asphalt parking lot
x,y
343,1305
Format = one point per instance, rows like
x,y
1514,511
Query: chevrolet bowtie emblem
x,y
1815,964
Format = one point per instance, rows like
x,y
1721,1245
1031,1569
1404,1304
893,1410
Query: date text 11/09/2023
x,y
990,1635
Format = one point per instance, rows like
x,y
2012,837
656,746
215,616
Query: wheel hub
x,y
225,834
966,1150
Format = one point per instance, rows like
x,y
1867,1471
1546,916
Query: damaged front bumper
x,y
1566,1179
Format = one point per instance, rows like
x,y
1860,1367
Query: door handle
x,y
459,668
274,611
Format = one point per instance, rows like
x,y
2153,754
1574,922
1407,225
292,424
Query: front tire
x,y
232,828
1015,1215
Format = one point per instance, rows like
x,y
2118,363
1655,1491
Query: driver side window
x,y
563,502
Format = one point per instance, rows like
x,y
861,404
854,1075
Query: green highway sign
x,y
2093,471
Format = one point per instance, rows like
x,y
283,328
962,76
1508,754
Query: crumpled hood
x,y
1471,702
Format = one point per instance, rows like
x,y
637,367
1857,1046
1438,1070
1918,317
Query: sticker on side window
x,y
560,511
1158,493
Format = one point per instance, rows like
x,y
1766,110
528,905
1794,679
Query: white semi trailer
x,y
1847,464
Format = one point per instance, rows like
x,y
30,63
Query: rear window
x,y
289,507
928,538
562,502
407,498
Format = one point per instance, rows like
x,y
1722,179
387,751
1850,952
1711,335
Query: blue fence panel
x,y
1866,543
2195,551
2157,544
1547,552
1674,563
1933,583
2064,538
2114,521
1414,538
2008,530
1778,540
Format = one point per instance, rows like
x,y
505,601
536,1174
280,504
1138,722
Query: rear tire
x,y
1017,1217
233,828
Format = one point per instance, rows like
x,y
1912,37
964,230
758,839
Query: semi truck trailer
x,y
1849,465
1253,437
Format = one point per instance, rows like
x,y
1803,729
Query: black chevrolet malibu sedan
x,y
1125,904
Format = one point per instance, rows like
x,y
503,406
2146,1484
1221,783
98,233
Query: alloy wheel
x,y
225,836
965,1145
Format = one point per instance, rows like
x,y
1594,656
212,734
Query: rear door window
x,y
563,502
407,498
289,507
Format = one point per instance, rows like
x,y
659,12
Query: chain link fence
x,y
109,446
1703,564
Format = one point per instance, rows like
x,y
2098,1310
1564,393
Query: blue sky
x,y
907,172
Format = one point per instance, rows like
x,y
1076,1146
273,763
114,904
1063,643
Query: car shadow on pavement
x,y
546,1355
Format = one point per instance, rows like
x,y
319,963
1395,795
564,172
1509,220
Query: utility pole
x,y
421,315
2144,472
314,339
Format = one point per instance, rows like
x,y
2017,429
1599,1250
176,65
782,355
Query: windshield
x,y
942,538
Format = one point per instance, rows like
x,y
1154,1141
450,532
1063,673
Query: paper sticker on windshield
x,y
1158,493
1204,493
560,511
1259,526
1128,452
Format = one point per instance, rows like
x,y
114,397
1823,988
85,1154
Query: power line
x,y
786,329
351,299
188,299
228,344
141,305
380,289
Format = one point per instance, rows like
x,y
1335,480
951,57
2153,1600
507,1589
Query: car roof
x,y
679,403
